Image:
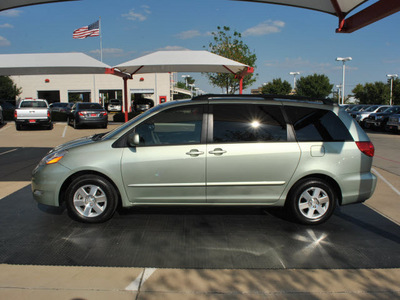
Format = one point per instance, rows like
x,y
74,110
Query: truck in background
x,y
32,112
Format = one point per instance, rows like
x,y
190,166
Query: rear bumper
x,y
92,121
33,122
358,188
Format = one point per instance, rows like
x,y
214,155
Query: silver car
x,y
260,150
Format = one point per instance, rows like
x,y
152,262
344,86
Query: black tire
x,y
18,127
91,199
311,201
50,126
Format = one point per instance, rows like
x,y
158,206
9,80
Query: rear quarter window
x,y
312,124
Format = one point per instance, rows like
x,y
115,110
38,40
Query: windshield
x,y
90,106
382,109
121,128
33,104
392,110
372,108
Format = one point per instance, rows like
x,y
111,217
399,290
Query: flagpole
x,y
101,41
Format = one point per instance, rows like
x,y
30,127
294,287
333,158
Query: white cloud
x,y
111,52
11,13
4,42
189,34
290,63
108,51
138,16
266,27
172,48
6,25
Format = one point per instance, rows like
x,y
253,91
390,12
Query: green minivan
x,y
302,154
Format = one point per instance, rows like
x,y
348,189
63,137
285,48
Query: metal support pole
x,y
126,98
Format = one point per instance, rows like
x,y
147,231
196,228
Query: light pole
x,y
294,78
186,79
391,76
343,59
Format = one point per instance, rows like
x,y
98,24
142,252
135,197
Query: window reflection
x,y
248,123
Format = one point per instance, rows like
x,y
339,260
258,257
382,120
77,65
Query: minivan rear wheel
x,y
91,199
311,201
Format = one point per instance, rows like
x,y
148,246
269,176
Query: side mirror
x,y
133,139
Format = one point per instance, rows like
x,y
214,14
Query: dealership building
x,y
99,88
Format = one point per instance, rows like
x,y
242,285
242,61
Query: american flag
x,y
87,31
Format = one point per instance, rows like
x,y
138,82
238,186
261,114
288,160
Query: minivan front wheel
x,y
91,199
311,201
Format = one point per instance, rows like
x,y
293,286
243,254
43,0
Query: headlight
x,y
53,158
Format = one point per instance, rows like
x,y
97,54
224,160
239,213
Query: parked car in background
x,y
115,105
393,123
8,109
62,107
32,112
143,104
89,114
362,115
378,120
356,108
1,116
303,154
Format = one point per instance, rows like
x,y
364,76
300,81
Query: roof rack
x,y
264,97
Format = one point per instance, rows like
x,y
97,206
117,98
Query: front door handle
x,y
194,152
217,151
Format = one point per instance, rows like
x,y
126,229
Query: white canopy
x,y
50,63
7,4
326,6
181,61
341,8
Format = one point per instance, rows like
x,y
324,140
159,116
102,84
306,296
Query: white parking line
x,y
386,181
140,280
12,150
65,131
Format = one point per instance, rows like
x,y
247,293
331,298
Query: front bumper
x,y
393,125
46,183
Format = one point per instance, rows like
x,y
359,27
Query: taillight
x,y
48,114
15,114
82,113
367,148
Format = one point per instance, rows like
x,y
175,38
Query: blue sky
x,y
284,38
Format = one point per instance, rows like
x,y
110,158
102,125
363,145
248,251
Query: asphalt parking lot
x,y
193,253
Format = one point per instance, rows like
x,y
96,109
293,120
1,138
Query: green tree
x,y
316,86
8,90
277,87
182,84
234,48
372,93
